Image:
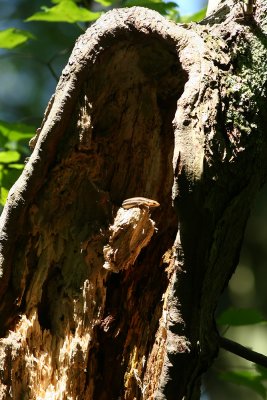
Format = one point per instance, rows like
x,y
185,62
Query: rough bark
x,y
143,108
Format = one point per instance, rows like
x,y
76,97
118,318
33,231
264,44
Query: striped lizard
x,y
139,202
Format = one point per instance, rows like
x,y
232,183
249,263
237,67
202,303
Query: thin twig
x,y
243,352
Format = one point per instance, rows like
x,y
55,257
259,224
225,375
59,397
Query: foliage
x,y
239,317
14,149
12,37
195,17
251,379
65,11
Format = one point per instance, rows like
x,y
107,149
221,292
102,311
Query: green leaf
x,y
238,317
105,3
156,5
16,166
15,132
249,379
262,371
7,157
65,11
174,15
3,195
13,37
195,17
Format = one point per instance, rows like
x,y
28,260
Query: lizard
x,y
139,202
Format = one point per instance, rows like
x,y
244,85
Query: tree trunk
x,y
103,302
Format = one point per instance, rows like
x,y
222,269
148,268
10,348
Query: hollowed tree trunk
x,y
143,108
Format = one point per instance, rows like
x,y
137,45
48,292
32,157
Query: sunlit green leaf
x,y
105,3
1,173
16,166
195,17
3,195
13,37
248,378
156,5
15,131
65,11
7,157
238,317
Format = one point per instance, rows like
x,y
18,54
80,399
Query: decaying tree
x,y
103,302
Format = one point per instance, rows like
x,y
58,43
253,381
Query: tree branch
x,y
242,351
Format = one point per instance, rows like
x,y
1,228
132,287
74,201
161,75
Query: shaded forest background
x,y
28,78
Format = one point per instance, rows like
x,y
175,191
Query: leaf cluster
x,y
13,150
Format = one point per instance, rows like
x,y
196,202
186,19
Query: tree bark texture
x,y
98,302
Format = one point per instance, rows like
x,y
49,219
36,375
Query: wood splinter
x,y
129,234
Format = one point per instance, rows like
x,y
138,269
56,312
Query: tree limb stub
x,y
143,108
